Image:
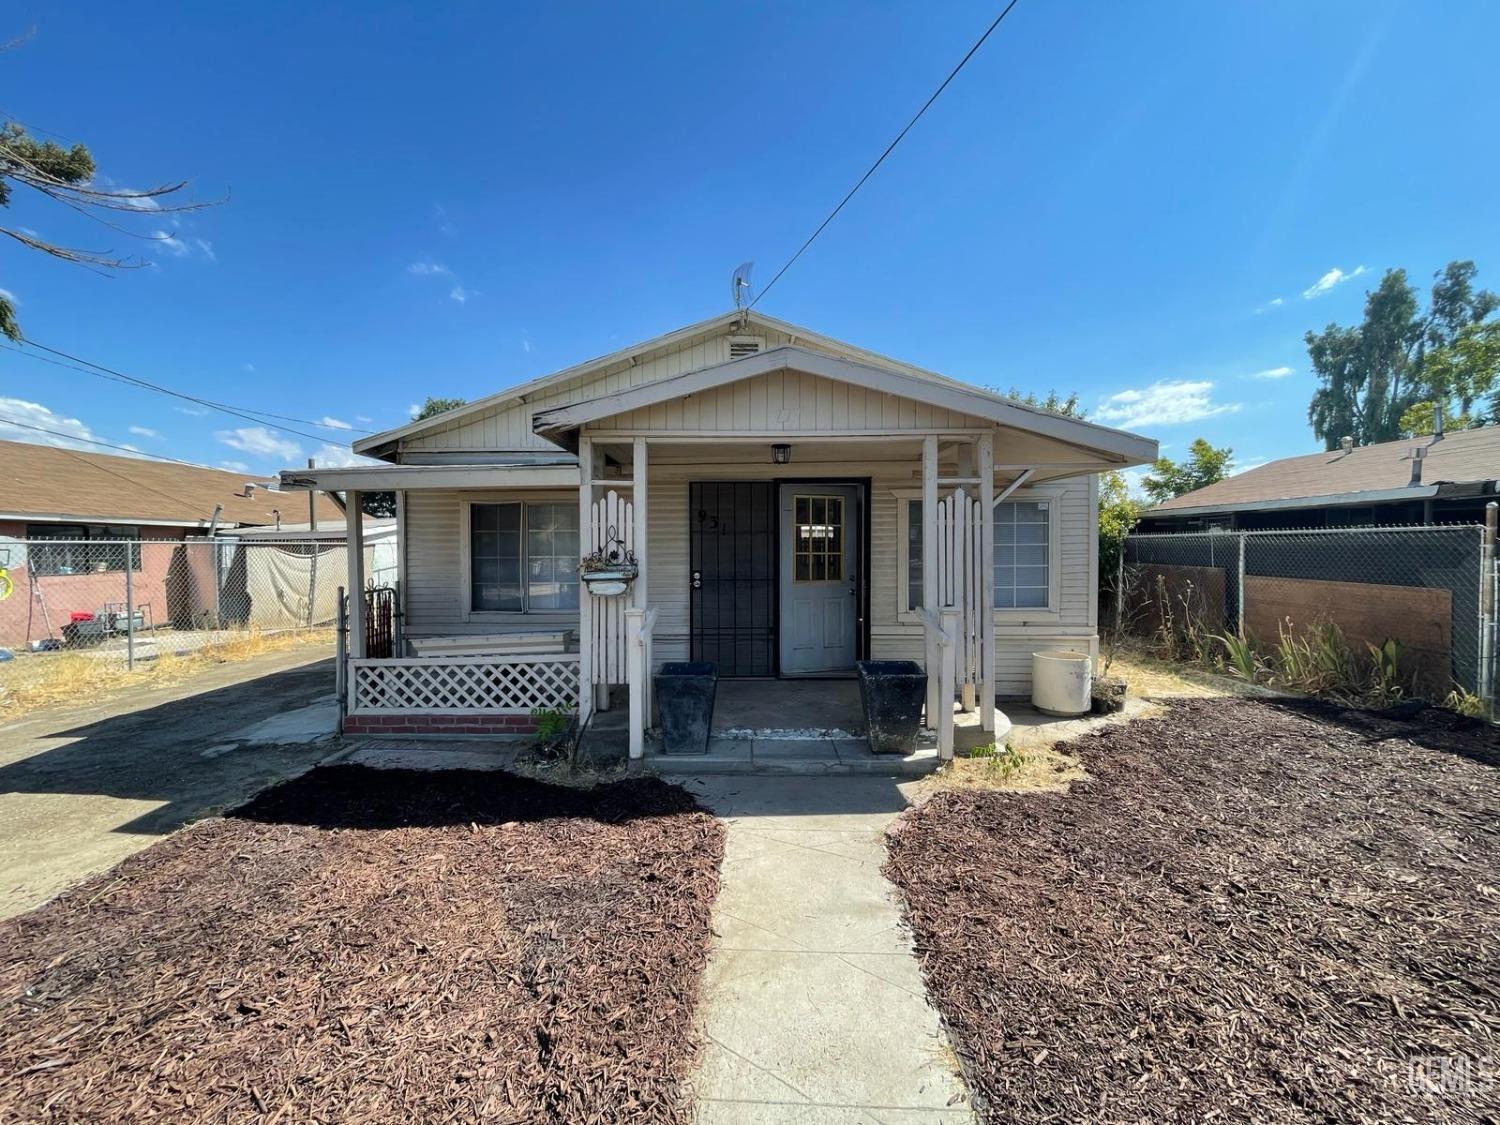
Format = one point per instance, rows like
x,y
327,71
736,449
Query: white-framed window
x,y
1026,532
522,556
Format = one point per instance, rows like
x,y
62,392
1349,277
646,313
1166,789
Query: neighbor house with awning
x,y
758,495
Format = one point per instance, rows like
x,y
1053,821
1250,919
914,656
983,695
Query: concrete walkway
x,y
814,1010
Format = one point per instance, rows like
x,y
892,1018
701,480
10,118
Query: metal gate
x,y
732,560
380,623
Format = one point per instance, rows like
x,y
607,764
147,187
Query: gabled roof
x,y
751,319
45,483
1366,473
1125,448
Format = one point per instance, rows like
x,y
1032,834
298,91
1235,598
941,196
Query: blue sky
x,y
1146,203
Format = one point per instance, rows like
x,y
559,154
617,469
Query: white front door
x,y
820,560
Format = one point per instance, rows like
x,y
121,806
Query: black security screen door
x,y
732,572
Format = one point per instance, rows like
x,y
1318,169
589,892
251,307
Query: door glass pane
x,y
818,539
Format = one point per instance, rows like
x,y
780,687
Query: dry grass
x,y
36,681
1150,678
1038,769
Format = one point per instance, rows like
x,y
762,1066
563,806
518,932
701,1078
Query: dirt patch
x,y
376,945
1251,911
1014,770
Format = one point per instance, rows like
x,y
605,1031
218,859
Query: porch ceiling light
x,y
781,454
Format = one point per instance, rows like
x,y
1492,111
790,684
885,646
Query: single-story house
x,y
69,520
782,504
1442,478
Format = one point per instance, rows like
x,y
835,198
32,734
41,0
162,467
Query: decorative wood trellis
x,y
612,525
457,685
960,564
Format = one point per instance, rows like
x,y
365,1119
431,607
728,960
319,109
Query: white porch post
x,y
930,574
585,606
638,676
985,470
642,592
355,549
967,685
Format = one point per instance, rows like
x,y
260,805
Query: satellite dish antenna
x,y
739,285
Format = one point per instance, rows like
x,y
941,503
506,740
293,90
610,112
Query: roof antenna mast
x,y
739,288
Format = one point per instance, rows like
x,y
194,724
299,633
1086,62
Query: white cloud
x,y
339,457
525,342
171,244
68,433
428,268
208,249
1273,303
144,431
1272,373
237,466
1333,277
11,297
1168,402
334,423
260,441
134,202
414,409
191,411
459,293
1253,463
363,418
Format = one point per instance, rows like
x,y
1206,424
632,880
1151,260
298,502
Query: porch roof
x,y
411,478
1114,447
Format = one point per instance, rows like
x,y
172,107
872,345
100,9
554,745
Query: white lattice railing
x,y
463,685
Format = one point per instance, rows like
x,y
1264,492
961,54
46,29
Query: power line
x,y
95,441
250,414
888,150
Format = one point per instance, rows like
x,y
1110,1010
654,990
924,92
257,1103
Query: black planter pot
x,y
893,693
685,705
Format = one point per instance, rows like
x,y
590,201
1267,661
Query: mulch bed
x,y
1253,911
365,945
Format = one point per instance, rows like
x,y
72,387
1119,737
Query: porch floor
x,y
788,709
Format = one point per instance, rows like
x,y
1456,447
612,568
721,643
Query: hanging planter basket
x,y
609,571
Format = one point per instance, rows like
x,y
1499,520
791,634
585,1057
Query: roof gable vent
x,y
741,346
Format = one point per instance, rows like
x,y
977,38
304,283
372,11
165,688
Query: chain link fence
x,y
133,600
1430,589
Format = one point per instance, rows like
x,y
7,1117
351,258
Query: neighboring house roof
x,y
561,421
376,443
46,484
1365,474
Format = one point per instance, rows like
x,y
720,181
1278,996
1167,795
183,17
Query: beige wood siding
x,y
436,601
790,402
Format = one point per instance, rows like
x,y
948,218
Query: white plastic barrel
x,y
1061,682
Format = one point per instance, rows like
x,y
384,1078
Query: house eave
x,y
409,478
1117,447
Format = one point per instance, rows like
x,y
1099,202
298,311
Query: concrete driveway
x,y
82,788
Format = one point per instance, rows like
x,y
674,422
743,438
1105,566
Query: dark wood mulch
x,y
367,945
1252,912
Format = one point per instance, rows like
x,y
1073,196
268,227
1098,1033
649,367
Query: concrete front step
x,y
790,756
695,765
